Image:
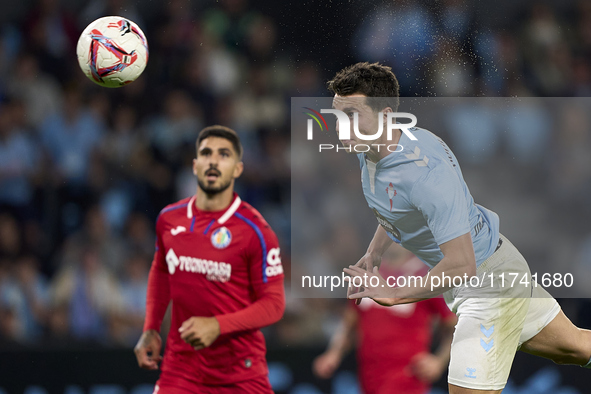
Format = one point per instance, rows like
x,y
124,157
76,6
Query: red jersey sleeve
x,y
158,294
266,281
264,256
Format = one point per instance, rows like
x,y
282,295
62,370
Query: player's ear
x,y
385,113
238,168
195,167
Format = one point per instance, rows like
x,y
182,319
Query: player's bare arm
x,y
200,332
458,260
341,342
147,350
373,257
376,249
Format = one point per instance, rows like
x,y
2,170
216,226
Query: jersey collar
x,y
226,215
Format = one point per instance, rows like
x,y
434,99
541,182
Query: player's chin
x,y
213,187
209,188
213,183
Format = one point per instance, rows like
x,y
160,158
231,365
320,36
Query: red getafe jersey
x,y
217,263
389,337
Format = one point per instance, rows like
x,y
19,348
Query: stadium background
x,y
85,170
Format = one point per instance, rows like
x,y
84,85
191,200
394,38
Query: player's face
x,y
217,165
368,120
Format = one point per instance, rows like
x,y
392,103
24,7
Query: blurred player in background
x,y
432,214
393,344
218,261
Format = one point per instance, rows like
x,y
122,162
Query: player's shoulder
x,y
425,143
252,221
426,153
174,209
251,217
430,142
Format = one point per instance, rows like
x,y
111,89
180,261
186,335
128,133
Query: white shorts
x,y
494,319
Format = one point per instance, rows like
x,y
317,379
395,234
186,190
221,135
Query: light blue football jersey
x,y
420,198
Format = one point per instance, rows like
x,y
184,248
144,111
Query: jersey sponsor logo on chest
x,y
213,270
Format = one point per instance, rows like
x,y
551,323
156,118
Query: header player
x,y
434,216
218,261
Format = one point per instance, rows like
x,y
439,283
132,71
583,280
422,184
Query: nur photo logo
x,y
344,130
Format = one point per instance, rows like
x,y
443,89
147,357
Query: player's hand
x,y
147,350
325,364
200,332
381,293
367,262
427,367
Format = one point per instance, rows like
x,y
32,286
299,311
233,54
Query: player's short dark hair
x,y
222,132
373,80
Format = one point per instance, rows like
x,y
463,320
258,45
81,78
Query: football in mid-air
x,y
112,51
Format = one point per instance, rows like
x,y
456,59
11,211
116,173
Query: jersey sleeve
x,y
441,198
266,281
264,256
158,294
267,308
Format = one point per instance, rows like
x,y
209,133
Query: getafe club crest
x,y
221,238
391,193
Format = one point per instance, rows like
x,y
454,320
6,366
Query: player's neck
x,y
379,148
214,202
375,156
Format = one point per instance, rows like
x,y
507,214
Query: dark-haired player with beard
x,y
218,261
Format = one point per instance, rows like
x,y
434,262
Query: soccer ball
x,y
112,51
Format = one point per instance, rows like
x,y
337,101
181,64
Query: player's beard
x,y
213,190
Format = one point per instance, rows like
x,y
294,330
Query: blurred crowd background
x,y
84,170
